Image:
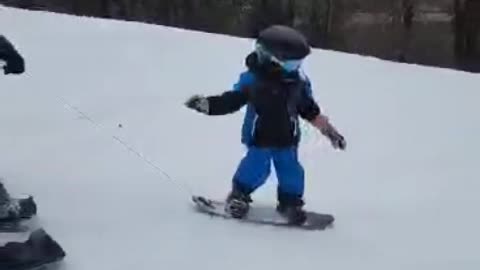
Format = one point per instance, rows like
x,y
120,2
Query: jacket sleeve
x,y
228,102
7,51
5,47
308,107
234,100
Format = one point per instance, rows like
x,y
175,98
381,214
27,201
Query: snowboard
x,y
262,215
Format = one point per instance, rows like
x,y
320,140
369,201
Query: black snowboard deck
x,y
262,215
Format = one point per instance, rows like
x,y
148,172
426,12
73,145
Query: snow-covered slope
x,y
405,193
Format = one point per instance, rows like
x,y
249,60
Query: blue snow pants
x,y
255,168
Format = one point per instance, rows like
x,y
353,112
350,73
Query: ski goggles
x,y
288,65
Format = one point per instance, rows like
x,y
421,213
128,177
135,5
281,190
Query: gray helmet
x,y
283,42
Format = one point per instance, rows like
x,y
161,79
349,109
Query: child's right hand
x,y
198,103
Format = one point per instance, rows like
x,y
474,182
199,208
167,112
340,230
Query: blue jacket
x,y
275,100
248,79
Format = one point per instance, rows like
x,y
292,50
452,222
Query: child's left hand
x,y
338,141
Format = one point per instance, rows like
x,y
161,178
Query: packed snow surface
x,y
96,130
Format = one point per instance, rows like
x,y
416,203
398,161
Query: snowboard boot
x,y
12,209
238,204
291,208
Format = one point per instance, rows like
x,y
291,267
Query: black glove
x,y
15,65
198,103
14,62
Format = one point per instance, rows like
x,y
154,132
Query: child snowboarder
x,y
276,93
